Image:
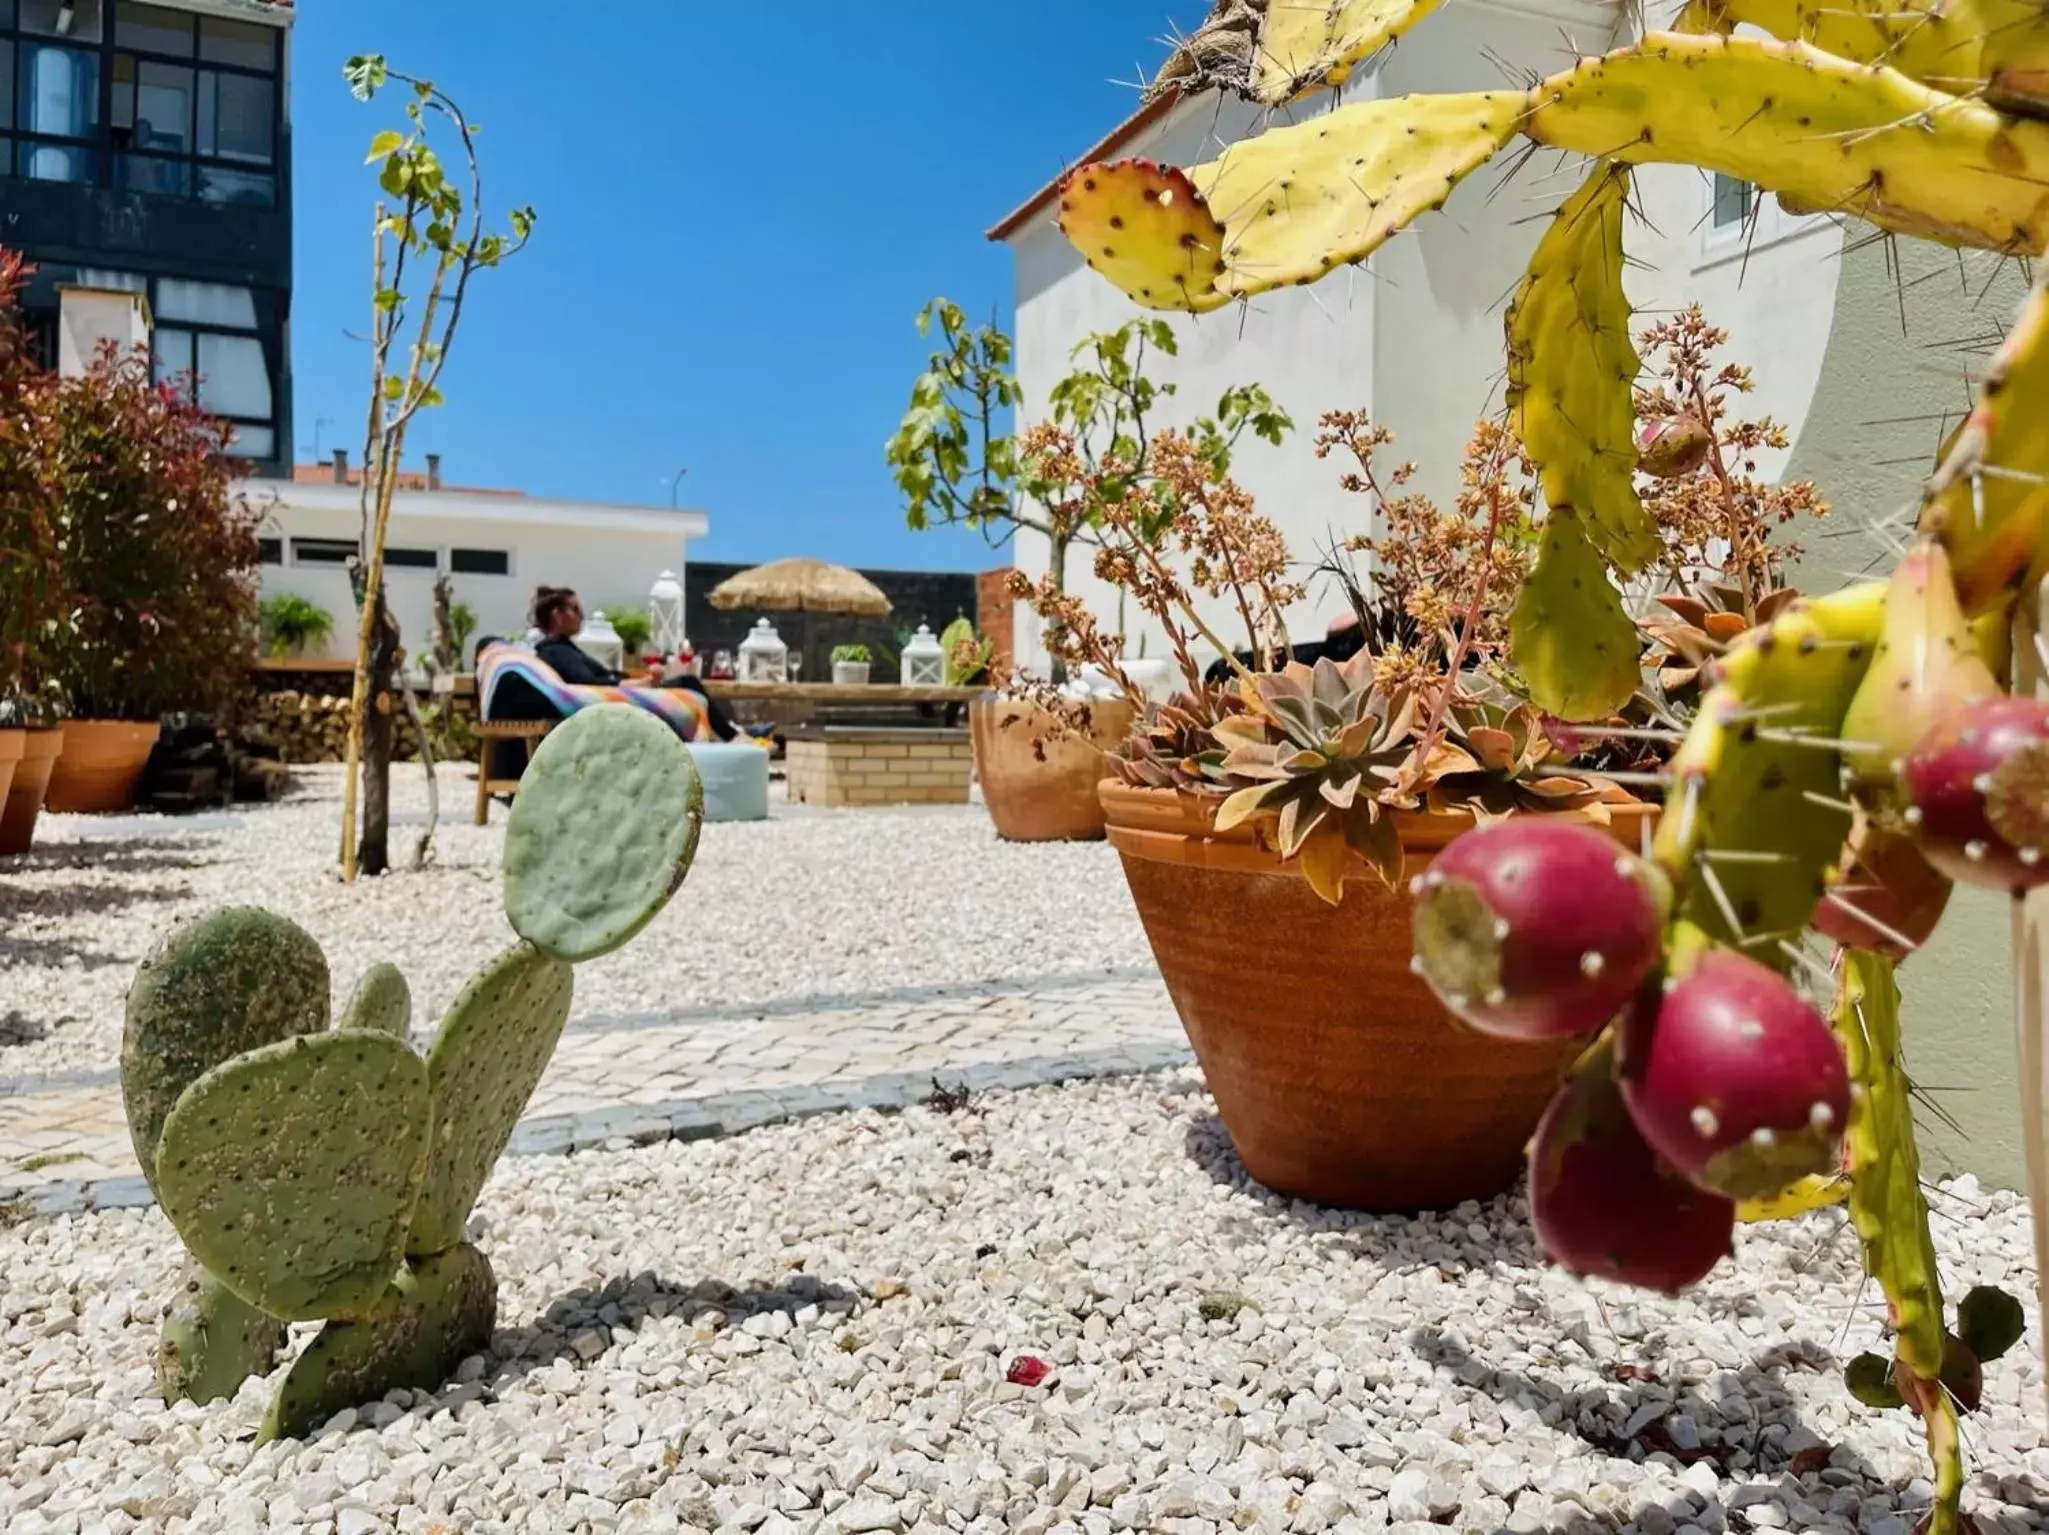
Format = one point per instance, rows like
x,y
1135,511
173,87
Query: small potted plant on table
x,y
850,666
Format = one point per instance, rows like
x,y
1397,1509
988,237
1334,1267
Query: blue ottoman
x,y
735,779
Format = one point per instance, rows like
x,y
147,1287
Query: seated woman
x,y
558,614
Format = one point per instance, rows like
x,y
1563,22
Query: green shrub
x,y
292,625
854,654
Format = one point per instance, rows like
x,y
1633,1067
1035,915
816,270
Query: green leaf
x,y
387,300
385,142
394,387
366,74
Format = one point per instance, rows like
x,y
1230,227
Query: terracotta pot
x,y
100,765
13,745
1040,789
23,800
1340,1077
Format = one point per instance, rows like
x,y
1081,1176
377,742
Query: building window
x,y
339,551
413,559
212,331
271,551
1733,201
191,101
480,562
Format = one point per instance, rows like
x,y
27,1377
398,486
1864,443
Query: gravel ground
x,y
810,1327
806,903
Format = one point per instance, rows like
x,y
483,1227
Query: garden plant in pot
x,y
1039,751
155,552
850,665
31,592
1277,822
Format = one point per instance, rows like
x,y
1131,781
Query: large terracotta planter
x,y
13,745
1340,1077
23,801
100,765
1040,789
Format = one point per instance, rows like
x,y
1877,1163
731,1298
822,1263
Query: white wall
x,y
1415,339
607,565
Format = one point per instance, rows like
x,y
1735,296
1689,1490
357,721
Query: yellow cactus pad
x,y
1753,819
1572,370
1308,45
1146,228
1296,202
1817,1191
1988,503
1997,47
1569,635
1825,133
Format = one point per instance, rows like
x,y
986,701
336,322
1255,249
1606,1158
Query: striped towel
x,y
681,710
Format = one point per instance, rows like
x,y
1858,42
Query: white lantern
x,y
600,641
924,660
763,655
665,614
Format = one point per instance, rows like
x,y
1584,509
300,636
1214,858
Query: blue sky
x,y
742,209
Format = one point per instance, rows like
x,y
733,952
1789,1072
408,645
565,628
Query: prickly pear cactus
x,y
382,1003
291,1170
438,1311
329,1175
223,983
486,1062
601,833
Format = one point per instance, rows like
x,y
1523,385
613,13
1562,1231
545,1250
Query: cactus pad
x,y
1989,501
437,1312
1569,635
1147,229
382,1003
1572,372
1825,133
212,1340
601,833
226,982
1755,818
1297,202
1308,45
291,1170
485,1063
1997,48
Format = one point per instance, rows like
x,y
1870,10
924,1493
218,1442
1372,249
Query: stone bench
x,y
859,765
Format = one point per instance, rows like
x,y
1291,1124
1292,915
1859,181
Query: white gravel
x,y
806,903
810,1327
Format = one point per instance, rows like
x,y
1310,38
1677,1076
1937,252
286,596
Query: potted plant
x,y
850,666
1038,753
292,625
633,626
1272,824
31,590
160,558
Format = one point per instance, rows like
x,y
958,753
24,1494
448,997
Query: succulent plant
x,y
1494,760
328,1175
1693,628
1172,746
1325,750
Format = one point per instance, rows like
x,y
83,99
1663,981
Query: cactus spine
x,y
329,1175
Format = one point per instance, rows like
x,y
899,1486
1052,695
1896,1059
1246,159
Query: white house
x,y
1862,349
1416,338
496,546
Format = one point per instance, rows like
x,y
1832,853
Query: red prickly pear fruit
x,y
1889,899
1603,1203
1735,1079
1672,447
1537,928
1977,789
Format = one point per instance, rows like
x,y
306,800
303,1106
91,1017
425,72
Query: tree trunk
x,y
373,849
1056,580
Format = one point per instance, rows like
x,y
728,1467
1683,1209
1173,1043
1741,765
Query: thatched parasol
x,y
802,586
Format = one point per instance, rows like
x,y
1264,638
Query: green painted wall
x,y
1913,326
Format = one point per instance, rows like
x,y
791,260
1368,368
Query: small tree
x,y
957,466
434,221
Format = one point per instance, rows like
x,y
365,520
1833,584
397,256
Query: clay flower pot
x,y
13,745
100,765
1040,789
22,802
1340,1077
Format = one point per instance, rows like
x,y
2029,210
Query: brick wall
x,y
996,617
881,767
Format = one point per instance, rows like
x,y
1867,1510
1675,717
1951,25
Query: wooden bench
x,y
488,732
